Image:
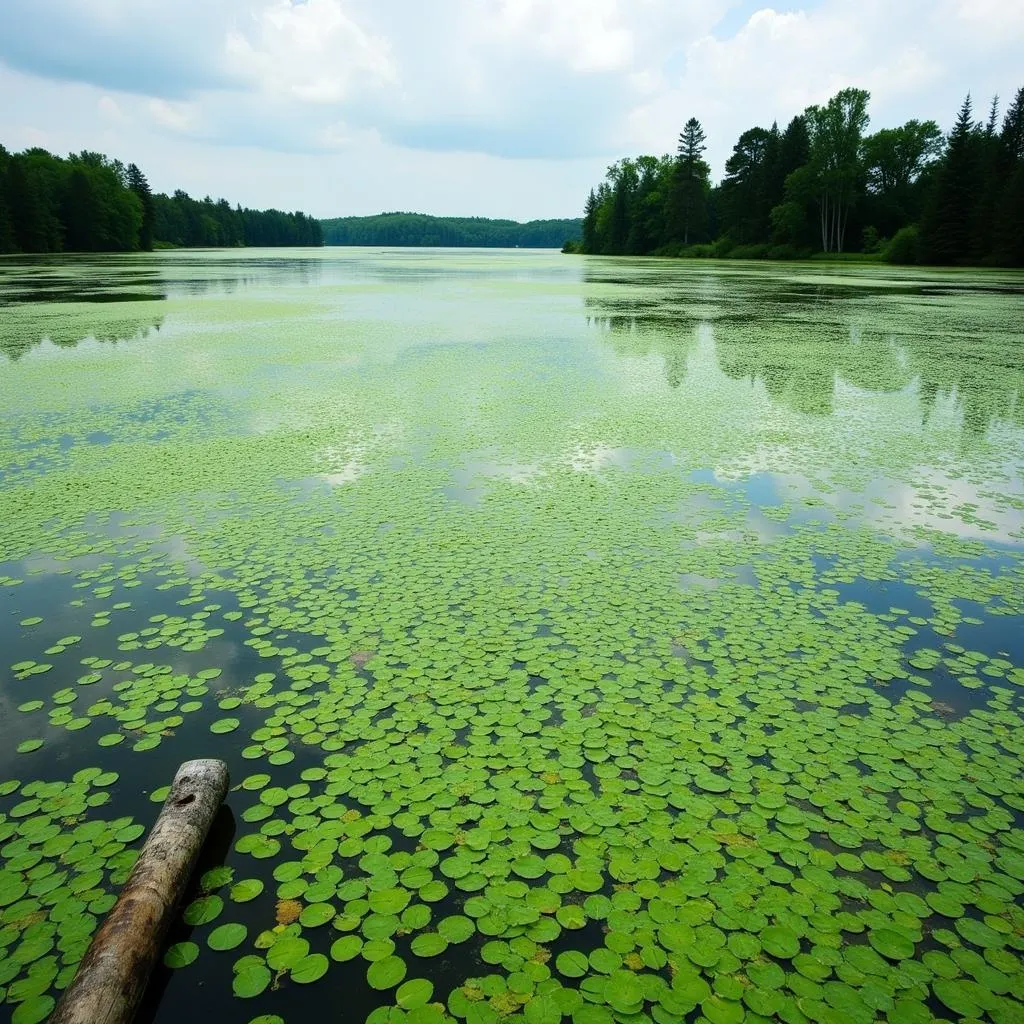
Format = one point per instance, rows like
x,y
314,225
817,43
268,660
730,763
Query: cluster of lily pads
x,y
61,868
614,695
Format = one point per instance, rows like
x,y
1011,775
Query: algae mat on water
x,y
589,640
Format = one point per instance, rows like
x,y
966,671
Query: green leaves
x,y
780,941
33,1010
181,954
891,943
429,944
316,914
540,683
310,968
414,993
389,901
456,928
251,980
572,964
203,910
246,890
227,936
386,973
346,948
286,952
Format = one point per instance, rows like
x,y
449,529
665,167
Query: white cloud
x,y
914,58
314,52
562,86
589,35
111,109
179,117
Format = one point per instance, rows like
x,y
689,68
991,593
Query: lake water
x,y
590,639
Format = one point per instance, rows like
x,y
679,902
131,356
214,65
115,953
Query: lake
x,y
588,639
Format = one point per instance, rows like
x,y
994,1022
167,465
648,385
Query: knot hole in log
x,y
186,800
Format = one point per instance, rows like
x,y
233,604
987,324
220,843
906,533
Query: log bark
x,y
113,975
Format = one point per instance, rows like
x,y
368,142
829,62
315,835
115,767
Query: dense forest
x,y
823,184
419,229
90,203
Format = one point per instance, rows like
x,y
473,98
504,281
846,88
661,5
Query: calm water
x,y
590,639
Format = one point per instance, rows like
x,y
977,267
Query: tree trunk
x,y
112,976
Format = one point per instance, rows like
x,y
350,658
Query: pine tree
x,y
743,191
1008,243
140,186
7,243
946,229
689,206
624,179
590,223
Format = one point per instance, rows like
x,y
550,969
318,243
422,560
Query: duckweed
x,y
599,641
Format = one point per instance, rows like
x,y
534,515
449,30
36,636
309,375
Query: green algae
x,y
632,642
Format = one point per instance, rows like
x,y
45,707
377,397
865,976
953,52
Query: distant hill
x,y
420,229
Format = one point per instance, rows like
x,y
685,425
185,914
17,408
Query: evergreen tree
x,y
795,147
1008,237
789,210
90,203
35,227
688,212
624,178
590,223
137,182
989,187
946,229
744,198
646,220
7,243
820,182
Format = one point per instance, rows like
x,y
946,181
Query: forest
x,y
823,184
419,229
87,202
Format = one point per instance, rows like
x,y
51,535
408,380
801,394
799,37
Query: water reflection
x,y
15,341
807,345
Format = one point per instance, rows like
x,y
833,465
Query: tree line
x,y
419,229
87,202
823,184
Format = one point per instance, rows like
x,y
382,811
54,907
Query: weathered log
x,y
113,975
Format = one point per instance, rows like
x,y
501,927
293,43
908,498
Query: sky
x,y
502,108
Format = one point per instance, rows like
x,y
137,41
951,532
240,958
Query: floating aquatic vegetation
x,y
62,866
658,663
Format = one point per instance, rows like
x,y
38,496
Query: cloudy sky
x,y
490,107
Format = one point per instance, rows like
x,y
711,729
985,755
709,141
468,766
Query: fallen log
x,y
113,974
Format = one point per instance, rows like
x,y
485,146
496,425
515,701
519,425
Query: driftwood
x,y
113,975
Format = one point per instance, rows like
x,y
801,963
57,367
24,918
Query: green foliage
x,y
975,210
820,183
606,689
90,203
835,180
904,246
420,229
946,234
685,192
183,221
